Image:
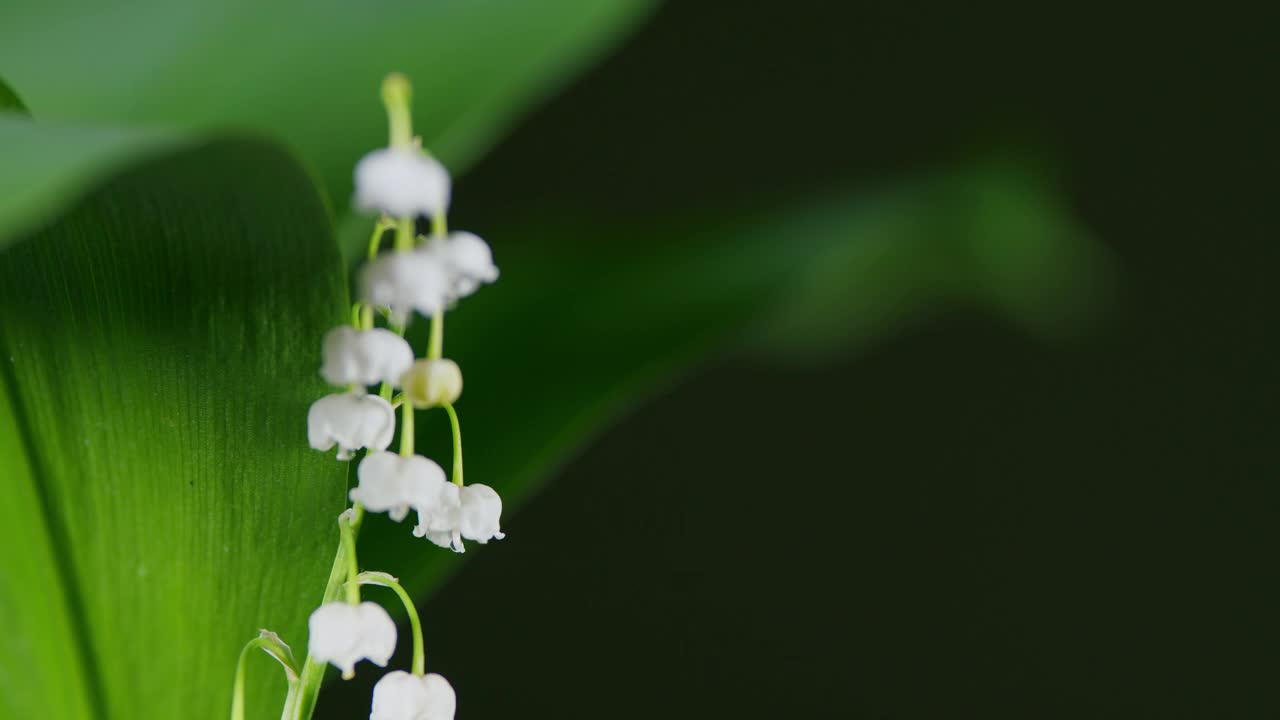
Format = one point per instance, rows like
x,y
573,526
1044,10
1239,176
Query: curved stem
x,y
375,240
457,443
385,580
271,644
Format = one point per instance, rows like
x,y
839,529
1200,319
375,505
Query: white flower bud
x,y
468,260
401,182
405,282
392,483
345,634
351,421
479,516
429,383
364,357
401,696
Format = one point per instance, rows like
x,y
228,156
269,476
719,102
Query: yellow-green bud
x,y
432,382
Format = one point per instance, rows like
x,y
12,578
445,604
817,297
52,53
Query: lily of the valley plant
x,y
417,276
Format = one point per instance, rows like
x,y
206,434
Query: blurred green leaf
x,y
48,165
306,73
159,346
589,316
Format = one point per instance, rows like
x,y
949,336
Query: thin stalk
x,y
312,674
406,430
385,580
457,443
435,345
271,644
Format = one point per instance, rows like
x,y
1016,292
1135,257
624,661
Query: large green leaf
x,y
589,315
305,72
40,670
159,340
47,164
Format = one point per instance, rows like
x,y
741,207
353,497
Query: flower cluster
x,y
378,372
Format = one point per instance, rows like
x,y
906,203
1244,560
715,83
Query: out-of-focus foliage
x,y
162,298
578,328
305,73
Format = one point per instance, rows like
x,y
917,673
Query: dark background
x,y
962,521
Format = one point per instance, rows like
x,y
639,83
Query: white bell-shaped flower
x,y
467,258
365,357
401,182
351,421
393,483
402,696
439,522
480,513
405,282
345,634
474,512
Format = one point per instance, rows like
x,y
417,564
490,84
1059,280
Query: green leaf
x,y
588,317
40,670
46,164
160,343
307,75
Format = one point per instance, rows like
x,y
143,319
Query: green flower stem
x,y
457,444
406,430
271,644
375,240
397,94
405,235
362,313
385,390
312,675
349,550
385,580
435,345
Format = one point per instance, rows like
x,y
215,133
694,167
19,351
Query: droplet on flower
x,y
392,483
401,182
402,696
351,421
364,357
344,634
429,383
